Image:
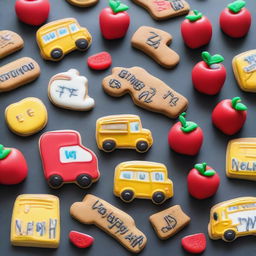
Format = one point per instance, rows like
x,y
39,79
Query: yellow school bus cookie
x,y
241,159
244,67
122,131
60,37
142,179
27,116
232,219
36,221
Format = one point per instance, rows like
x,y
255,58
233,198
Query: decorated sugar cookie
x,y
58,38
66,160
142,179
36,221
241,159
27,116
70,90
118,224
244,68
195,244
232,219
99,61
10,42
80,240
122,131
83,3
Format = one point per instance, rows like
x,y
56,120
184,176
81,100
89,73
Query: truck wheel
x,y
55,181
56,53
109,145
229,235
127,195
142,146
158,197
82,44
84,180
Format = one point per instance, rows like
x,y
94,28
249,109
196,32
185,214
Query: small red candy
x,y
100,61
80,240
194,243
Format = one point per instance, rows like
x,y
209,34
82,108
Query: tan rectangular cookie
x,y
9,42
164,9
18,73
168,222
154,42
147,91
118,224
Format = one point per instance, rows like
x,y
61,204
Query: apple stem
x,y
194,17
4,152
187,126
212,60
236,6
201,168
237,105
117,6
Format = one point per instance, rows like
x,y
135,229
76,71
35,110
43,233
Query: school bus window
x,y
157,176
126,175
73,27
134,126
120,127
247,206
232,208
142,176
62,32
49,37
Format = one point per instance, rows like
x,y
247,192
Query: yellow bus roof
x,y
141,164
117,118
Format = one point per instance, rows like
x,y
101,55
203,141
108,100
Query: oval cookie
x,y
18,73
27,116
83,3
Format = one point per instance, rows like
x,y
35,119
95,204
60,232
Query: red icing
x,y
194,243
51,142
32,12
13,168
200,186
113,25
196,34
80,240
100,61
185,143
207,80
235,24
228,119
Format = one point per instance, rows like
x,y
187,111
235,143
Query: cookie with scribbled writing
x,y
154,42
147,91
164,9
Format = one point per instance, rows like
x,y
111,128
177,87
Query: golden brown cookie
x,y
168,222
83,3
18,73
118,224
146,91
164,9
154,42
9,42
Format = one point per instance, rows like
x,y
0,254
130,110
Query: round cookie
x,y
83,3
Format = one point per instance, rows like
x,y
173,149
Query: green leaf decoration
x,y
4,152
191,126
237,105
210,60
202,170
197,15
182,119
209,173
236,6
117,6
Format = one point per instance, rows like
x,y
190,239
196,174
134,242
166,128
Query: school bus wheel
x,y
84,180
82,44
55,181
229,235
56,53
158,197
109,145
127,195
142,146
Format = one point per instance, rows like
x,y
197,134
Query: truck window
x,y
73,27
142,176
157,176
49,37
71,154
134,126
119,127
62,32
126,175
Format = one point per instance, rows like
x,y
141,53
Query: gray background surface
x,y
213,150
